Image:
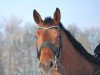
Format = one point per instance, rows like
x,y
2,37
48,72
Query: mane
x,y
97,49
79,47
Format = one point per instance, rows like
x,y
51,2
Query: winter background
x,y
17,29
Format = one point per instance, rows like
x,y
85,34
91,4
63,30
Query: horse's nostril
x,y
51,63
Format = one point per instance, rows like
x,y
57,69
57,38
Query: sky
x,y
83,13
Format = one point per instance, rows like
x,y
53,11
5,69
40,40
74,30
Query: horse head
x,y
48,41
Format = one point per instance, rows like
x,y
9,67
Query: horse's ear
x,y
37,17
57,16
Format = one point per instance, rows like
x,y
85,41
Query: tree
x,y
74,30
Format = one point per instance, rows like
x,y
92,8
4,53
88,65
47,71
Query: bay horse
x,y
58,52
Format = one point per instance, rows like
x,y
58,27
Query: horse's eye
x,y
58,36
36,37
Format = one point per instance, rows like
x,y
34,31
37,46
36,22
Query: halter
x,y
56,50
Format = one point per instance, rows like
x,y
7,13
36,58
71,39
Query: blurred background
x,y
17,29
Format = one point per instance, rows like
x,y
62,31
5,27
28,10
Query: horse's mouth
x,y
46,69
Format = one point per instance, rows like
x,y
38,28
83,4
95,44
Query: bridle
x,y
56,50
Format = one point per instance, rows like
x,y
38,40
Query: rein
x,y
56,50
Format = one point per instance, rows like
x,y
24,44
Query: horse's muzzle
x,y
45,68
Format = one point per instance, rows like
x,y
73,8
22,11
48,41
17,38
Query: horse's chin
x,y
47,71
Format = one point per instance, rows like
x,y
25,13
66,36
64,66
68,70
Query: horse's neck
x,y
71,59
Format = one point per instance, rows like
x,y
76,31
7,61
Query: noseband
x,y
56,50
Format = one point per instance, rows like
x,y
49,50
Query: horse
x,y
58,52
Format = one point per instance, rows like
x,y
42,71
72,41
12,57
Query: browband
x,y
49,27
